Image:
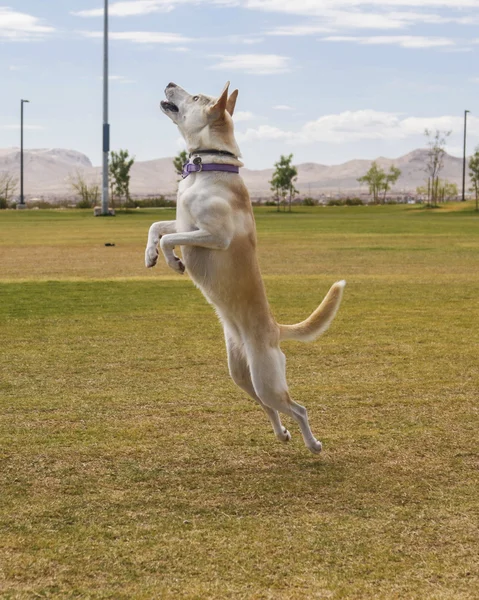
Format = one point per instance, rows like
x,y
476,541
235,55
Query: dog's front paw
x,y
176,264
151,256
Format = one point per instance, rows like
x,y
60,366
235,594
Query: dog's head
x,y
202,120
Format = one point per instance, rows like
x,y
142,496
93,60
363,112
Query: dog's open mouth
x,y
169,106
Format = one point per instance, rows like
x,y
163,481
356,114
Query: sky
x,y
326,80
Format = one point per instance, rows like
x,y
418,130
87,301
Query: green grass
x,y
132,467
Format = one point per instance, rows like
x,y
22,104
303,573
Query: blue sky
x,y
329,80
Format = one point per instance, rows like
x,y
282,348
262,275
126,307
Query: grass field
x,y
131,467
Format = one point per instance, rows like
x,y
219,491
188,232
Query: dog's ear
x,y
219,107
230,105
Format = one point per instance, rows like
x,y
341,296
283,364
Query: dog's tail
x,y
319,321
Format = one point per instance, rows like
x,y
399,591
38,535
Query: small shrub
x,y
309,202
354,202
3,203
43,204
84,203
335,202
159,202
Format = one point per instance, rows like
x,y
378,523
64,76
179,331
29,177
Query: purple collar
x,y
197,165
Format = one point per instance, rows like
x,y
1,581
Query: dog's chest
x,y
184,219
193,199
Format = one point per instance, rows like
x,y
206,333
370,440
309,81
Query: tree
x,y
276,192
380,181
447,190
8,186
391,177
88,192
474,175
282,182
376,180
120,165
180,159
435,160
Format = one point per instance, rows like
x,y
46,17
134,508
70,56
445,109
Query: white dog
x,y
216,232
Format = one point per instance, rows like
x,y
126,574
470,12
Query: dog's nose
x,y
171,85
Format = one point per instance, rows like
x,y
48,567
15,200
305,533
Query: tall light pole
x,y
106,126
22,200
464,158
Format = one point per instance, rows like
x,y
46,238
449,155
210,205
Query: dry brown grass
x,y
131,467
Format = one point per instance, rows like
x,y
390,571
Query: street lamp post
x,y
22,200
106,126
464,159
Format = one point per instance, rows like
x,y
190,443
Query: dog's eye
x,y
195,98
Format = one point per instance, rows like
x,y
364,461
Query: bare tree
x,y
8,187
474,175
435,159
88,192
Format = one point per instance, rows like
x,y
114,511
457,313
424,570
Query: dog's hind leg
x,y
268,375
240,373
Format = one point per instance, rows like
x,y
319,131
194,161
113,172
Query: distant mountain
x,y
47,173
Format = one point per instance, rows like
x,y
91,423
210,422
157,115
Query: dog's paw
x,y
151,256
315,447
284,436
177,265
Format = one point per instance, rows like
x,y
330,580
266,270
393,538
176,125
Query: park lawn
x,y
132,467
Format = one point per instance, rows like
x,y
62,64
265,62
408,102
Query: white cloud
x,y
316,7
180,143
265,132
332,17
282,107
338,19
255,64
141,37
243,115
119,79
450,50
352,126
331,9
386,15
129,9
292,30
405,41
21,27
250,41
354,19
28,127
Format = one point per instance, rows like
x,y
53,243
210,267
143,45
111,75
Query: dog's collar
x,y
197,165
219,152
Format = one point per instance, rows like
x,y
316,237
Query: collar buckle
x,y
192,167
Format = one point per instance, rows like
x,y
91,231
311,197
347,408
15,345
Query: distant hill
x,y
47,171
